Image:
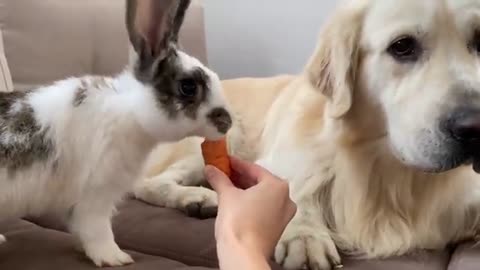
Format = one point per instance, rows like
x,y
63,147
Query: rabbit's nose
x,y
221,119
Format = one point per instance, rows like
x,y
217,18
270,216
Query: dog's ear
x,y
333,67
153,25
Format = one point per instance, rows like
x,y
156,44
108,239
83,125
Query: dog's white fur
x,y
354,135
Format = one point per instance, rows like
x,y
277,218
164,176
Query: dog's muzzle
x,y
464,127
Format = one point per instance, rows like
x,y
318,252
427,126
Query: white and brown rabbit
x,y
74,148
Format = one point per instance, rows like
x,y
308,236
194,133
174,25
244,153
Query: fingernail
x,y
209,171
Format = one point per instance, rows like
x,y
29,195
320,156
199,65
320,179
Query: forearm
x,y
233,255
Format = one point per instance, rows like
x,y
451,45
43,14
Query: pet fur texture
x,y
74,148
376,136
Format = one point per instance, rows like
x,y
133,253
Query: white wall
x,y
262,37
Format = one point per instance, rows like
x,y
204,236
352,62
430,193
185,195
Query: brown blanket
x,y
164,239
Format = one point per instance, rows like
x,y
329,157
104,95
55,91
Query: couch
x,y
46,40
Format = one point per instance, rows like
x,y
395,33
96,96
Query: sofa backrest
x,y
48,40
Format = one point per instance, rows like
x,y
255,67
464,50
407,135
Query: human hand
x,y
254,207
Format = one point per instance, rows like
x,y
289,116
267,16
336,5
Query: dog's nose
x,y
221,119
464,126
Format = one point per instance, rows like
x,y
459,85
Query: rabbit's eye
x,y
188,87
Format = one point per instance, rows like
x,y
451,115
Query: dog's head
x,y
406,71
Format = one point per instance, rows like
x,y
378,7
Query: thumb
x,y
217,179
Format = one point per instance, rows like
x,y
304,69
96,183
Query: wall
x,y
262,37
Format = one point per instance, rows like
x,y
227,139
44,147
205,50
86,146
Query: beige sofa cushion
x,y
48,40
5,77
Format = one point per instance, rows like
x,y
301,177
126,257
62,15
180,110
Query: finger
x,y
291,210
241,181
248,169
217,179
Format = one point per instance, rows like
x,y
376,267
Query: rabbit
x,y
76,147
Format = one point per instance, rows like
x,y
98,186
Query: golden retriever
x,y
377,137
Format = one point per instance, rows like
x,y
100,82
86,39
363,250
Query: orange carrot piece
x,y
215,153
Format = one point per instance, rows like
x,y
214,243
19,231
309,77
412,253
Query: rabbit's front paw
x,y
2,239
108,255
311,248
198,202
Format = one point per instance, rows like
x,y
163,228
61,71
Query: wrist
x,y
245,242
240,253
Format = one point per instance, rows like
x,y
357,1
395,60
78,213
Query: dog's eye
x,y
188,87
405,49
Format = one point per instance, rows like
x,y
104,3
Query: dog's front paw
x,y
300,247
3,239
195,201
198,202
108,256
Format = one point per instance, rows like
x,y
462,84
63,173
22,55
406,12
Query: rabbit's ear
x,y
154,24
179,18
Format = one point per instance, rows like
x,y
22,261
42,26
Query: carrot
x,y
215,154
